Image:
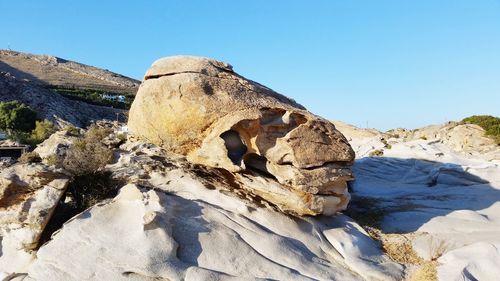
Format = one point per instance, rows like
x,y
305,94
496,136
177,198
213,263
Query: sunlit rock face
x,y
202,109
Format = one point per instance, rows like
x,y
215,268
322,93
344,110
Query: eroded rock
x,y
29,194
202,109
152,234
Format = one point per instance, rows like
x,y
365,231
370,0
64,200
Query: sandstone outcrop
x,y
202,109
29,194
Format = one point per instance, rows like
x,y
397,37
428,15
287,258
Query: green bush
x,y
52,160
15,116
375,153
95,97
490,124
42,131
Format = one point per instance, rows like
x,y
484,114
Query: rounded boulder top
x,y
186,64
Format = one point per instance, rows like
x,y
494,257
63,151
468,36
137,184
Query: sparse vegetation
x,y
369,214
90,183
386,144
88,154
89,189
52,160
490,124
43,130
95,97
122,137
29,157
21,123
377,152
73,131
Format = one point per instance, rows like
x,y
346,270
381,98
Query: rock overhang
x,y
202,109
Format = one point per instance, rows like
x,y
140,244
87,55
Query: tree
x,y
15,116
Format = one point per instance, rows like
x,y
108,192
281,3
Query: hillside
x,y
53,106
55,72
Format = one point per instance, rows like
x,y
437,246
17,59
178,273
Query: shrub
x,y
73,131
88,154
423,138
122,137
386,144
29,157
377,152
490,124
43,130
17,116
89,189
52,160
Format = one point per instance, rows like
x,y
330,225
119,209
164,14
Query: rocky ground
x,y
189,202
433,191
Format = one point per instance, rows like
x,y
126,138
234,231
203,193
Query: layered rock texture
x,y
202,109
29,194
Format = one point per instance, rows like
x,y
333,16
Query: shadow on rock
x,y
401,195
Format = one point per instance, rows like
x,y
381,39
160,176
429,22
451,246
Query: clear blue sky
x,y
389,63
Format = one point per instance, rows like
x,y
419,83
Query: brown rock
x,y
202,109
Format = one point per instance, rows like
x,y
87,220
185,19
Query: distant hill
x,y
53,106
54,72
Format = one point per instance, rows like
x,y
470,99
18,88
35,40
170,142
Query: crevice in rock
x,y
236,149
156,76
82,193
330,164
257,164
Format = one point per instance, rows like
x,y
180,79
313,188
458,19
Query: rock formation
x,y
202,109
29,194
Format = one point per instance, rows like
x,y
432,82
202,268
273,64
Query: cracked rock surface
x,y
202,109
29,194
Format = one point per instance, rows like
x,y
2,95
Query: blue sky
x,y
383,63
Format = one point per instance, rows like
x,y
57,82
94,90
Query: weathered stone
x,y
55,146
149,234
202,109
29,194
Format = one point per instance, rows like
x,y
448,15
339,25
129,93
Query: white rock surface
x,y
446,201
201,234
28,195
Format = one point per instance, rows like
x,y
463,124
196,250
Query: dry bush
x,y
426,272
377,152
88,154
29,157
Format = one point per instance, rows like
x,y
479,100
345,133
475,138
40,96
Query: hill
x,y
54,72
53,106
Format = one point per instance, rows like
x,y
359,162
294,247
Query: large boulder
x,y
202,109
